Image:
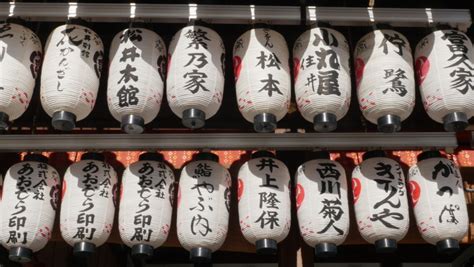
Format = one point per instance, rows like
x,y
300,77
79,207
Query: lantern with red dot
x,y
29,205
438,201
88,203
380,201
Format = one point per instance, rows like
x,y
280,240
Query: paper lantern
x,y
20,61
322,77
146,204
380,201
438,201
70,77
321,202
445,71
385,78
203,206
29,204
264,201
88,203
136,77
195,82
262,77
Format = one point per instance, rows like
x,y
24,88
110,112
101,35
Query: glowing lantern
x,y
264,201
20,61
203,206
70,77
444,66
88,203
146,204
136,77
321,202
262,77
385,78
322,77
380,201
29,204
195,82
438,201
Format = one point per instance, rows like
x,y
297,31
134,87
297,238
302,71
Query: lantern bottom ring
x,y
264,123
194,118
142,251
325,250
83,249
63,120
266,246
389,124
132,124
325,122
4,121
447,246
385,245
200,254
455,122
20,254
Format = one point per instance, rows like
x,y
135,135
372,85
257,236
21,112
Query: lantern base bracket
x,y
455,122
325,250
385,245
20,254
4,121
194,118
83,249
200,254
132,124
266,246
63,120
325,122
142,251
389,124
447,246
264,123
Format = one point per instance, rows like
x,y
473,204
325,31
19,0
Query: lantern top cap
x,y
83,249
77,21
198,22
93,156
4,121
319,24
16,20
428,155
325,250
374,154
151,156
447,246
207,156
320,155
142,251
200,255
260,25
263,153
382,26
20,254
36,157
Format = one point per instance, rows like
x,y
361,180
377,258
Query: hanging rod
x,y
236,14
227,141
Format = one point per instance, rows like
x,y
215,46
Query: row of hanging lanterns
x,y
31,193
195,78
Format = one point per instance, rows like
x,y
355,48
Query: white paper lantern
x,y
20,61
136,77
380,201
146,204
385,78
322,77
264,201
70,77
321,202
88,203
262,77
438,201
195,82
29,204
203,206
445,72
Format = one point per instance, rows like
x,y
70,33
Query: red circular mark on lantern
x,y
296,67
359,70
422,66
237,62
240,189
299,195
356,188
63,189
415,192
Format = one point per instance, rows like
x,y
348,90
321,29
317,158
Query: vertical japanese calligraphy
x,y
195,82
136,77
264,204
438,201
87,209
20,61
203,213
445,71
385,78
262,77
322,77
382,206
30,198
70,77
323,213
